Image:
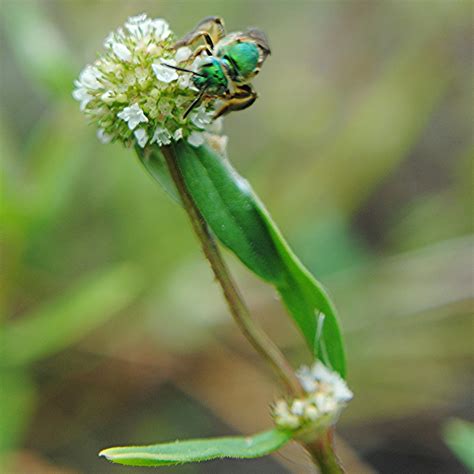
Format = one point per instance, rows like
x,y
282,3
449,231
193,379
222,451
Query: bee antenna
x,y
182,69
195,102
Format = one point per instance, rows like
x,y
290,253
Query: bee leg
x,y
243,97
211,29
194,37
198,51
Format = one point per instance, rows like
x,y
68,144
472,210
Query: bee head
x,y
211,76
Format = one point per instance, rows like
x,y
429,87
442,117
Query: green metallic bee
x,y
232,61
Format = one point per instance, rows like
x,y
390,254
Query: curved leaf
x,y
241,222
227,203
197,450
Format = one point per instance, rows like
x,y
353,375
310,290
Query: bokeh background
x,y
361,147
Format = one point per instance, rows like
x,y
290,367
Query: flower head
x,y
133,97
326,395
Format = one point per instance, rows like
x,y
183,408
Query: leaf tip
x,y
104,454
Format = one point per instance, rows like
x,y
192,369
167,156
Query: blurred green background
x,y
360,145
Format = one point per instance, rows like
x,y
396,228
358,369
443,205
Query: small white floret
x,y
103,137
89,77
297,407
342,392
321,373
201,118
306,379
325,403
281,408
136,19
197,63
81,95
196,139
161,136
107,96
161,28
326,395
164,73
109,40
311,413
178,134
182,54
133,115
185,82
141,136
291,421
121,51
139,25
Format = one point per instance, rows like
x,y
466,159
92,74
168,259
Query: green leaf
x,y
67,319
227,203
309,304
197,450
241,222
459,436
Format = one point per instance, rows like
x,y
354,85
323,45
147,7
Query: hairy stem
x,y
322,452
251,330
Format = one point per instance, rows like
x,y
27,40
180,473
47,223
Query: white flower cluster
x,y
327,395
133,97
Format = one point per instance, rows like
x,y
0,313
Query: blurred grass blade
x,y
39,46
241,222
459,436
197,450
69,318
17,401
51,176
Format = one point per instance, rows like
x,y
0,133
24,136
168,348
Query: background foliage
x,y
360,145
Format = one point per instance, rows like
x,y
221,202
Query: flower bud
x,y
326,395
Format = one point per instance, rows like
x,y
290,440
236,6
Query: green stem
x,y
251,330
322,452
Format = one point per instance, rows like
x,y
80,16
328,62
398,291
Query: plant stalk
x,y
322,452
239,310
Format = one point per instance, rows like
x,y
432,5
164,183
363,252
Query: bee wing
x,y
213,25
260,39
